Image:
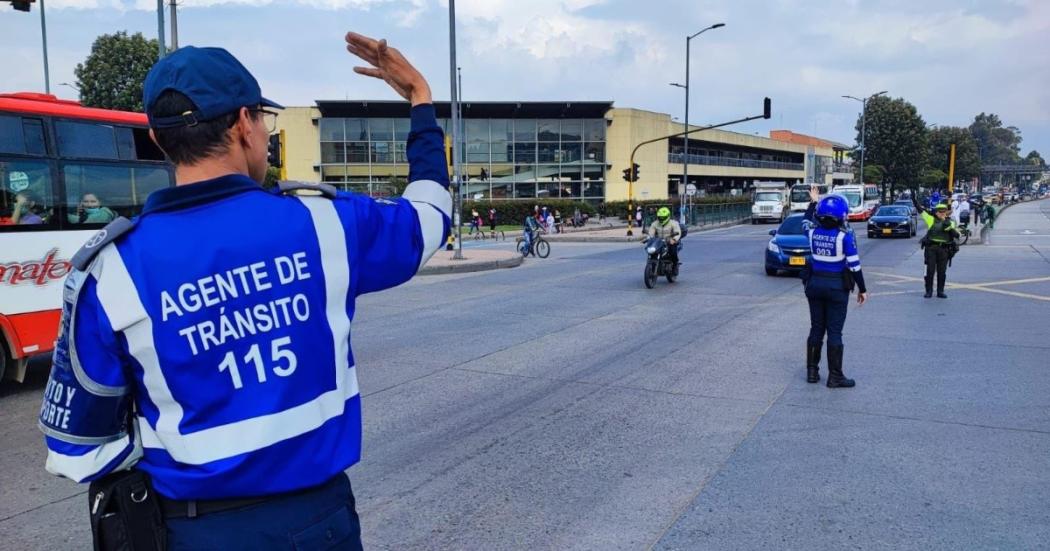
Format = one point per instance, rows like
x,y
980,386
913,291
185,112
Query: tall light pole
x,y
863,128
458,202
685,159
43,36
161,49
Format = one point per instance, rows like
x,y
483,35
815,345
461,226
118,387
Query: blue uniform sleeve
x,y
86,411
811,211
849,244
395,238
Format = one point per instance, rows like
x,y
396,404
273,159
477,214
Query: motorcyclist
x,y
667,228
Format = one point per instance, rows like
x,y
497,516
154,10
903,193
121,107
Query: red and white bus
x,y
863,199
65,171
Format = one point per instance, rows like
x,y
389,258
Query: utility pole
x,y
457,203
161,50
685,164
174,25
863,128
43,35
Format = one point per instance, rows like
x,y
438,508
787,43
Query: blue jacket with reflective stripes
x,y
833,250
210,346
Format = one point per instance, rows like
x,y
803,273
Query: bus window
x,y
86,140
26,194
96,194
21,136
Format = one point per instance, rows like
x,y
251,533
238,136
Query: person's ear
x,y
245,126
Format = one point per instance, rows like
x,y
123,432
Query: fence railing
x,y
676,158
705,214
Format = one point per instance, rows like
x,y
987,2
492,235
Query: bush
x,y
514,212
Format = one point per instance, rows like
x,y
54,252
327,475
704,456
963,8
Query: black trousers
x,y
936,264
827,309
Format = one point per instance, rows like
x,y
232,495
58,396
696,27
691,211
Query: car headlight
x,y
778,207
754,208
650,250
772,247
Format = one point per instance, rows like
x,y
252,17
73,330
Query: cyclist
x,y
529,229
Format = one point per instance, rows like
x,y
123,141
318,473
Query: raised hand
x,y
390,66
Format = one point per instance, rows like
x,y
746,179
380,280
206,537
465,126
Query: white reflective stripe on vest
x,y
239,437
840,253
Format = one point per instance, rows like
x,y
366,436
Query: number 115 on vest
x,y
282,362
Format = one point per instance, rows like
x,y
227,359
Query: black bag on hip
x,y
125,513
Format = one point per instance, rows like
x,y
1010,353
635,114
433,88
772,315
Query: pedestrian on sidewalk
x,y
492,219
638,217
829,280
475,222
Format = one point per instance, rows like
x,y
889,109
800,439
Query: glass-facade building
x,y
510,150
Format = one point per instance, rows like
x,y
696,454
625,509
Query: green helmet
x,y
940,206
663,215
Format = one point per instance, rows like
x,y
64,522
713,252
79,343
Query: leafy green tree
x,y
967,159
896,141
874,174
996,144
111,77
273,175
1034,158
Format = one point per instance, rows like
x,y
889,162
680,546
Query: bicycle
x,y
539,247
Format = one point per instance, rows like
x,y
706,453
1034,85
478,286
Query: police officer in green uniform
x,y
939,243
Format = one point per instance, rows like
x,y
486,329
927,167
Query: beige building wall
x,y
628,127
302,143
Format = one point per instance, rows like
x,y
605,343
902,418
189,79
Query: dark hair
x,y
186,145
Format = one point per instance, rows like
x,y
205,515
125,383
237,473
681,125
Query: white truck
x,y
771,202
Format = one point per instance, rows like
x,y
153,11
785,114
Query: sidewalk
x,y
474,260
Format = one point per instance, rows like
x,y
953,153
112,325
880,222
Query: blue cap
x,y
212,78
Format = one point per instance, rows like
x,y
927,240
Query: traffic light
x,y
767,108
274,150
630,175
21,5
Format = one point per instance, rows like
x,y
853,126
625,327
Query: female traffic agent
x,y
829,280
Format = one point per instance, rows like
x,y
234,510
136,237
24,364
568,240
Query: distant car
x,y
788,248
891,220
976,200
907,203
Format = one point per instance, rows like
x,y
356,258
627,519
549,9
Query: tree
x,y
1034,158
273,175
967,159
112,75
874,174
896,140
996,145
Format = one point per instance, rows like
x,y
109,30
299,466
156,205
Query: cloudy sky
x,y
951,58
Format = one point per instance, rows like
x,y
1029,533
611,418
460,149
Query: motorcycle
x,y
660,262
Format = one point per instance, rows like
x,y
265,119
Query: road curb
x,y
467,266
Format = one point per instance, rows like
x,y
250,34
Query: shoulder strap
x,y
104,237
286,187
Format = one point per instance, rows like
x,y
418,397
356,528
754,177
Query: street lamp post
x,y
863,128
685,157
456,176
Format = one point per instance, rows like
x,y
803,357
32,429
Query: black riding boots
x,y
813,362
835,377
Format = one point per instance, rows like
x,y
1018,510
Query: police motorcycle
x,y
660,261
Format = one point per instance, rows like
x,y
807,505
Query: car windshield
x,y
800,196
892,211
767,196
853,198
791,226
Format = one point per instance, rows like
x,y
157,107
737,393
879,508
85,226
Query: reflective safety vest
x,y
209,345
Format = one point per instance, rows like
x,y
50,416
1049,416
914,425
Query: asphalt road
x,y
561,405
